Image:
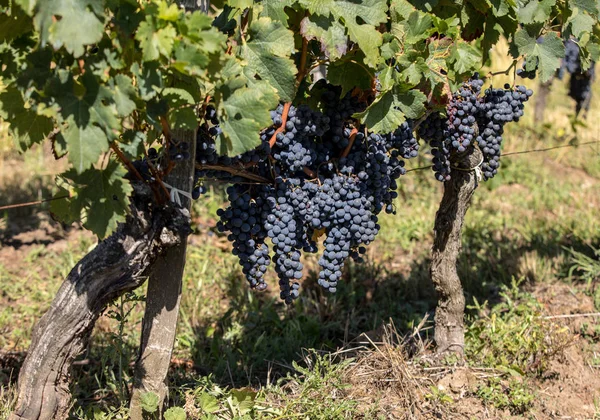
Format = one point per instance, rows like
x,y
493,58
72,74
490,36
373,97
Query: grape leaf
x,y
535,11
590,6
267,55
175,413
472,21
411,103
168,12
149,78
87,108
383,115
465,57
549,51
26,126
330,34
372,12
124,94
349,75
70,23
418,27
247,111
275,9
14,24
87,102
184,118
85,144
102,195
501,7
154,41
580,23
240,4
132,143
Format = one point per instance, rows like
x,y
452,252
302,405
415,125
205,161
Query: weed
x,y
513,336
513,395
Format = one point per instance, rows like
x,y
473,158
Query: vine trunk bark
x,y
449,314
163,298
118,264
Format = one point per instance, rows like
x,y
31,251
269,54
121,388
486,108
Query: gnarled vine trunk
x,y
449,314
117,264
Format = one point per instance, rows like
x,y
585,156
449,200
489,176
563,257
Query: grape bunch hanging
x,y
473,118
315,174
580,82
322,175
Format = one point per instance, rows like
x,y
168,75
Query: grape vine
x,y
312,163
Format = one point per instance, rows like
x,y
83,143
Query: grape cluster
x,y
472,117
328,178
580,82
498,107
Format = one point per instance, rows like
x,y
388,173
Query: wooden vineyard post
x,y
163,298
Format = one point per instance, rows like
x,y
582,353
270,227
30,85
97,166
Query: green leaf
x,y
168,12
70,23
549,51
535,11
351,12
85,144
472,21
275,9
149,78
465,57
244,399
418,27
501,7
383,115
124,94
412,103
177,97
267,54
175,413
330,34
184,118
14,24
208,403
241,4
349,75
580,23
413,73
149,402
25,125
133,144
153,41
247,112
103,196
63,208
86,102
590,6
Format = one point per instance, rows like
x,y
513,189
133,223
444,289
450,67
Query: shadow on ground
x,y
257,339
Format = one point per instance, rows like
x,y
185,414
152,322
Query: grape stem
x,y
309,172
302,68
507,71
234,171
423,118
353,134
281,129
125,161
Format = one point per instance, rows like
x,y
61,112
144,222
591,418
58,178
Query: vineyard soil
x,y
365,352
